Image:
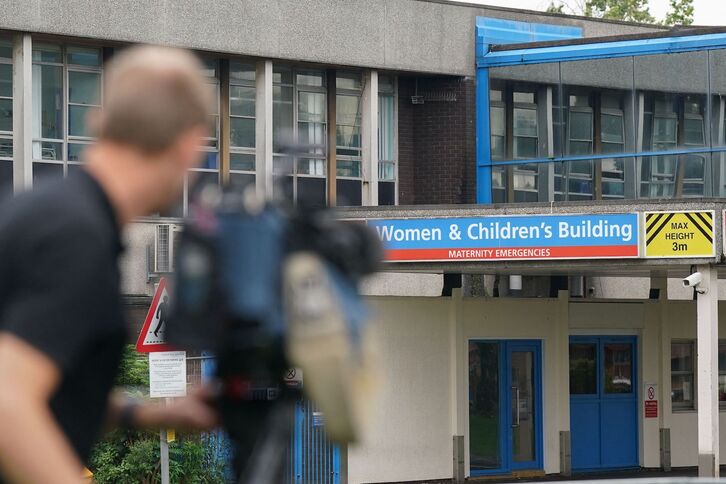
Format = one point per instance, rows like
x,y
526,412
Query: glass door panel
x,y
618,368
505,407
484,408
523,421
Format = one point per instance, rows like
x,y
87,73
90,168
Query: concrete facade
x,y
406,35
423,399
428,46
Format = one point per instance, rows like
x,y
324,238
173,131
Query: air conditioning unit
x,y
166,242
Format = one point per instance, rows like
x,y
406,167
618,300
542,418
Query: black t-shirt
x,y
59,292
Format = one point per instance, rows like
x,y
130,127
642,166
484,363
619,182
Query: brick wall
x,y
437,141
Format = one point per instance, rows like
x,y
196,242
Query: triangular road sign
x,y
152,337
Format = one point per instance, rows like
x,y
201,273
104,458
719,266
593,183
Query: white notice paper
x,y
168,374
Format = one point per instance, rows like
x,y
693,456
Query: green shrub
x,y
133,457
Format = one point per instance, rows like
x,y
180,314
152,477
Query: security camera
x,y
694,280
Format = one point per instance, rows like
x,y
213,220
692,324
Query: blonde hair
x,y
152,95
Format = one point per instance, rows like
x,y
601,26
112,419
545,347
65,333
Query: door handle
x,y
516,403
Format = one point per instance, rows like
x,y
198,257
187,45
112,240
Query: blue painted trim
x,y
505,406
693,151
536,348
298,443
601,50
483,139
497,31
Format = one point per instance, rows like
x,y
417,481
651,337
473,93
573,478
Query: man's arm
x,y
191,413
32,446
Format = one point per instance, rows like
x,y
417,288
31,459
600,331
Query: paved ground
x,y
627,474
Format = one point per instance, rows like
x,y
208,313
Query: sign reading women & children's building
x,y
539,237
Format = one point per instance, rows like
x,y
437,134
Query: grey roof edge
x,y
679,32
547,14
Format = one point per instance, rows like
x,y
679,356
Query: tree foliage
x,y
628,10
555,8
680,13
125,457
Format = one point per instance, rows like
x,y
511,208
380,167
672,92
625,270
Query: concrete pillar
x,y
22,112
369,133
459,371
707,383
561,347
263,129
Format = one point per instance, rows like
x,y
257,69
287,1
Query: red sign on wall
x,y
651,400
651,409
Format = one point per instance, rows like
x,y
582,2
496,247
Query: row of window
x,y
571,111
6,116
67,88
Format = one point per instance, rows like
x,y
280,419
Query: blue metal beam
x,y
600,50
487,162
496,31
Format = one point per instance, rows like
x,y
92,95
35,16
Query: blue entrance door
x,y
505,406
603,403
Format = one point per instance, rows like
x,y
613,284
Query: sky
x,y
706,12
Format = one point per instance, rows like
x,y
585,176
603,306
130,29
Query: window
x,y
525,141
242,99
672,121
577,176
682,371
498,122
583,368
694,131
6,116
208,170
66,90
612,140
618,368
386,140
348,98
299,134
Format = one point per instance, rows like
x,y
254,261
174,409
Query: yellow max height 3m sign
x,y
679,234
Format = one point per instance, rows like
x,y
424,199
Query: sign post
x,y
164,448
167,369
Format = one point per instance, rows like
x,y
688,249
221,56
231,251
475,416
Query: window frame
x,y
206,148
67,67
684,406
389,90
242,150
566,174
523,171
8,135
358,124
294,158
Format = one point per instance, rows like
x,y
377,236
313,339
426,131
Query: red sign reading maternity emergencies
x,y
602,236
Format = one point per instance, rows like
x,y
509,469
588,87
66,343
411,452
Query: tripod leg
x,y
266,462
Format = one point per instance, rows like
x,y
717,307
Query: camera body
x,y
266,288
694,280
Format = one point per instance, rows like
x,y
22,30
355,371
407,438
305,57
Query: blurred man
x,y
61,326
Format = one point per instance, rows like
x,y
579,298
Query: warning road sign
x,y
152,337
679,234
